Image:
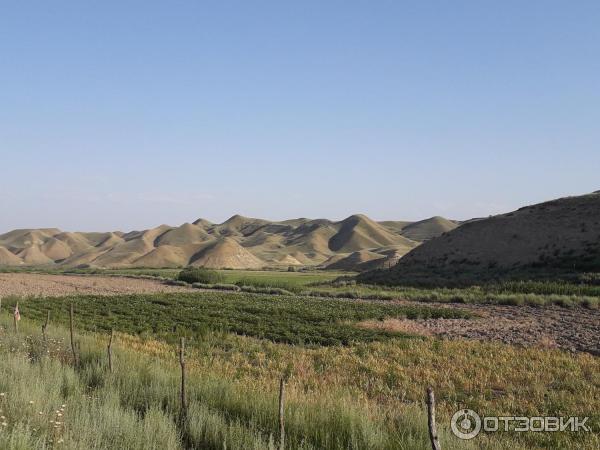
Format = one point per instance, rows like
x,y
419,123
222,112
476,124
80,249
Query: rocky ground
x,y
572,329
29,284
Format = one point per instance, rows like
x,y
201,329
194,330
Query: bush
x,y
176,283
200,275
268,284
265,290
218,286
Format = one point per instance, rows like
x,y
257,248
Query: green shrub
x,y
265,290
268,285
176,283
200,275
218,286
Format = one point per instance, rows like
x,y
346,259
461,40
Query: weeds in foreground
x,y
367,395
48,403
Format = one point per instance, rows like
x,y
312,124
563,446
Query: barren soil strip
x,y
39,285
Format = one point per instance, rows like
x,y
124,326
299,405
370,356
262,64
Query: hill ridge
x,y
547,239
238,242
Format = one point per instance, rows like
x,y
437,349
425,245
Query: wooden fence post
x,y
16,320
281,414
433,436
72,340
182,363
45,326
109,349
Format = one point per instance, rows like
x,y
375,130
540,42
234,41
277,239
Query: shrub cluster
x,y
200,275
217,286
176,283
265,290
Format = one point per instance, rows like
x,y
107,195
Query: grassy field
x,y
584,292
581,292
510,293
47,402
291,281
278,279
267,278
364,396
288,319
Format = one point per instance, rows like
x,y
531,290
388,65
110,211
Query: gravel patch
x,y
574,329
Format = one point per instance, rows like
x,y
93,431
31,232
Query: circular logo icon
x,y
466,424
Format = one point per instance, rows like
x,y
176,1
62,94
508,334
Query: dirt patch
x,y
573,329
28,284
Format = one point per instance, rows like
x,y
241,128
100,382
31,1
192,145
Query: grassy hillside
x,y
424,230
550,239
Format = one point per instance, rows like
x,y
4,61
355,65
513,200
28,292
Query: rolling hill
x,y
355,243
8,259
355,261
550,238
358,232
428,228
422,230
226,253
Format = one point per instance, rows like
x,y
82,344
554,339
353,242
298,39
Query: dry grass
x,y
385,381
396,326
490,378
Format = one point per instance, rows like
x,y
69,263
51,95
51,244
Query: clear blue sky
x,y
127,114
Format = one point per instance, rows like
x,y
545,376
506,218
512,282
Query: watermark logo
x,y
466,424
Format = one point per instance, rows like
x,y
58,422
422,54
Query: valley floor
x,y
574,329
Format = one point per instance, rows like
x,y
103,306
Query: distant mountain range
x,y
355,243
545,240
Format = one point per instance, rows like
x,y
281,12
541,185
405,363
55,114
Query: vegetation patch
x,y
288,319
200,275
517,293
369,395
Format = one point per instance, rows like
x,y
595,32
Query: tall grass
x,y
356,398
509,293
47,402
544,288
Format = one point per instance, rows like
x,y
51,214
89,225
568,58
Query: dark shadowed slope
x,y
555,237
